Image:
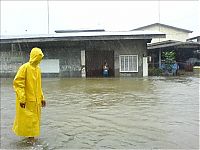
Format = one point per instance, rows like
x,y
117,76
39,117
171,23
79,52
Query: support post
x,y
145,67
159,58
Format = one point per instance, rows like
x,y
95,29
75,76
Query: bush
x,y
169,58
155,71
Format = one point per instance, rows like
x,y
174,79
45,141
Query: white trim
x,y
83,73
129,56
145,67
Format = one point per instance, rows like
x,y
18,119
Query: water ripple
x,y
126,113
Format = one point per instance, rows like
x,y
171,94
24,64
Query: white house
x,y
172,33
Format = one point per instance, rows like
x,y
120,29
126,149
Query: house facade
x,y
172,33
80,54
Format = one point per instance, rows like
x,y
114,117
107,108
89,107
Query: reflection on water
x,y
25,144
121,113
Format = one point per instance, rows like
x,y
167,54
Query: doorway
x,y
95,60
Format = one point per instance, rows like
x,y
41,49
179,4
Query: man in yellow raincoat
x,y
29,97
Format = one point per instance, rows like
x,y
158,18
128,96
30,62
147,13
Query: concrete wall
x,y
69,55
69,60
136,47
11,58
171,34
122,47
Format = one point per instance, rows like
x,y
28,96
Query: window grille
x,y
128,63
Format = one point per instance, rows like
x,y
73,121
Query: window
x,y
128,63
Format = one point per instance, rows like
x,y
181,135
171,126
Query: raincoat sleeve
x,y
42,95
19,84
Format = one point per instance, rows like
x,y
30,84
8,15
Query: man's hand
x,y
43,103
22,105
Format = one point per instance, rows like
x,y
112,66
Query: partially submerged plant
x,y
169,58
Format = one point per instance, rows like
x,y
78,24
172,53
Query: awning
x,y
173,44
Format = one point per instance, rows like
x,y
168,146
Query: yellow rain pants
x,y
27,85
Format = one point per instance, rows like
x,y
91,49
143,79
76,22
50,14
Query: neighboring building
x,y
196,58
194,39
187,53
177,40
172,33
80,54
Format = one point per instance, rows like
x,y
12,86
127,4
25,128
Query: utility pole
x,y
159,55
48,15
159,13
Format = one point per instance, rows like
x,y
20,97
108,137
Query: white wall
x,y
50,66
145,67
171,34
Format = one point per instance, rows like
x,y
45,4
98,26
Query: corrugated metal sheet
x,y
172,43
87,34
82,36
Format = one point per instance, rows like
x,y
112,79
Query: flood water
x,y
111,113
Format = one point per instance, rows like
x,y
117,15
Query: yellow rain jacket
x,y
27,85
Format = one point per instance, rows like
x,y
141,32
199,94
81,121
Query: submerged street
x,y
110,113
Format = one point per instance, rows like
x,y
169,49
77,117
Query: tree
x,y
169,58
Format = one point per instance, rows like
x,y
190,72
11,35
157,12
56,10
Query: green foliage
x,y
169,58
152,71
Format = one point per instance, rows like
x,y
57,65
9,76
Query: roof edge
x,y
80,30
143,27
196,37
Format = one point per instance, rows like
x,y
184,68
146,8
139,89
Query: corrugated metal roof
x,y
172,43
81,36
79,30
196,37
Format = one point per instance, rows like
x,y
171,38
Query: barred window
x,y
128,63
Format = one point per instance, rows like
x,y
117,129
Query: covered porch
x,y
187,53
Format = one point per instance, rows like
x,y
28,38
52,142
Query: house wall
x,y
14,55
69,60
136,47
171,34
69,55
11,58
122,47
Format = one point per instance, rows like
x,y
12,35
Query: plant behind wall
x,y
169,58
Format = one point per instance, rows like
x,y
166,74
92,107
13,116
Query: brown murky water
x,y
122,113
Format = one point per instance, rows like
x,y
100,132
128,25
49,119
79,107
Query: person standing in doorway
x,y
105,70
29,97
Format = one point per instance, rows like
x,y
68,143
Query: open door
x,y
95,60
